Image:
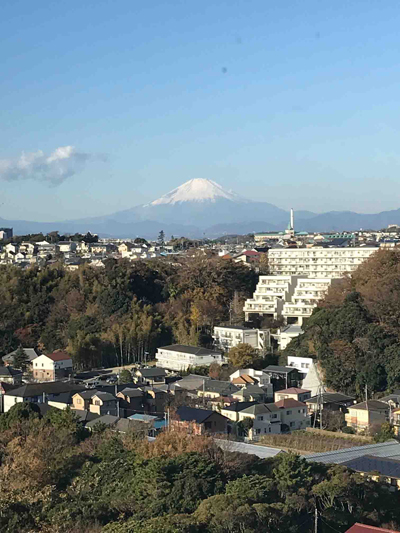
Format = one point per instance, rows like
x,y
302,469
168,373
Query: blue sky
x,y
292,102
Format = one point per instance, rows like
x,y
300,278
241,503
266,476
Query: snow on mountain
x,y
197,190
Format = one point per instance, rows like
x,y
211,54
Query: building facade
x,y
180,357
51,367
317,262
227,337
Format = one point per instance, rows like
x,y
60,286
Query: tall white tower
x,y
292,220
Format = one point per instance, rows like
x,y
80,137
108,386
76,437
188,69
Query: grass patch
x,y
311,442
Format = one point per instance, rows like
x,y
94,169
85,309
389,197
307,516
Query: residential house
x,y
294,414
232,411
252,393
365,414
29,352
106,420
263,379
248,257
285,374
266,419
332,401
10,375
67,246
52,366
150,376
39,393
286,335
103,403
392,399
82,399
181,357
199,421
244,380
131,399
301,395
214,389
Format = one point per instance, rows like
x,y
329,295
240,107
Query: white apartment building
x,y
306,295
226,337
293,297
317,262
180,357
270,295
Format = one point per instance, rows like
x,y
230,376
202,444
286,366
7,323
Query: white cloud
x,y
53,169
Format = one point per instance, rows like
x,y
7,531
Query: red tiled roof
x,y
58,356
250,253
289,402
292,390
362,528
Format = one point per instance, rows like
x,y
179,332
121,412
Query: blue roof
x,y
143,417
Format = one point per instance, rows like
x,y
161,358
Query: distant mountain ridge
x,y
202,207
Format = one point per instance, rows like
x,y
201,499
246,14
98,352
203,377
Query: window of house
x,y
97,402
260,418
269,429
258,431
274,416
288,412
78,400
291,424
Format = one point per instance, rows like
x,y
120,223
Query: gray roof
x,y
151,372
29,352
260,408
330,397
108,420
371,405
105,396
86,394
368,463
191,382
222,387
390,449
132,393
279,369
237,406
263,452
8,371
194,350
37,389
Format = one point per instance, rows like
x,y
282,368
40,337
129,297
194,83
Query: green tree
x,y
385,432
243,356
20,359
292,473
161,238
125,376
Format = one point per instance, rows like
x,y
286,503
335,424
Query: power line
x,y
333,529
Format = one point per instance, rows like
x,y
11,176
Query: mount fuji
x,y
201,207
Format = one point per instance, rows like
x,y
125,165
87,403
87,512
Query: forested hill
x,y
355,332
111,316
55,478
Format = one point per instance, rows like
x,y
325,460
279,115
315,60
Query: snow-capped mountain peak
x,y
198,190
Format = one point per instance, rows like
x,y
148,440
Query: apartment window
x,y
291,424
274,416
288,412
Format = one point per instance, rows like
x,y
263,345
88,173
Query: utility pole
x,y
316,520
